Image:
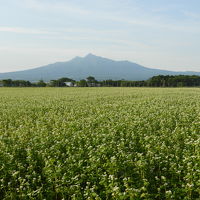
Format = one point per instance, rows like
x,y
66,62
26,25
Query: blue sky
x,y
161,34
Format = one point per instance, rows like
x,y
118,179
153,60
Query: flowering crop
x,y
99,143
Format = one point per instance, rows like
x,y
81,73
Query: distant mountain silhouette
x,y
90,65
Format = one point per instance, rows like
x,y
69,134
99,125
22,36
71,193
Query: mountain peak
x,y
91,65
90,55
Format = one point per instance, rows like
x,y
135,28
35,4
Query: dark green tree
x,y
7,82
41,83
82,83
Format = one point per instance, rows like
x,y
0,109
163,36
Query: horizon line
x,y
91,54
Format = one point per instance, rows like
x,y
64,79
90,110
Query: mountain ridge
x,y
91,65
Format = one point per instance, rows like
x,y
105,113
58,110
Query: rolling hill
x,y
90,65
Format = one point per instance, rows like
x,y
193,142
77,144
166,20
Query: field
x,y
99,143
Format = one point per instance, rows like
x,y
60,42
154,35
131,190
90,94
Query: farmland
x,y
100,143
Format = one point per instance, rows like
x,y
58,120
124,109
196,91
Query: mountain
x,y
90,65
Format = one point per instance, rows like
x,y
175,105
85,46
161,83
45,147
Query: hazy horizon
x,y
153,33
83,57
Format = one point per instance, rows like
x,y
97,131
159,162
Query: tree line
x,y
155,81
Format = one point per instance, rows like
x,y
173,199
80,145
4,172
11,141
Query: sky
x,y
163,34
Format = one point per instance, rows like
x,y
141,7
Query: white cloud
x,y
23,30
133,15
156,35
192,15
56,6
153,22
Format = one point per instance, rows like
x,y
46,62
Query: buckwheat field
x,y
99,143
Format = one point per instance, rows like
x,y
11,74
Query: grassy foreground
x,y
99,143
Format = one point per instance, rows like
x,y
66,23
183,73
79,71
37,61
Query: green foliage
x,y
15,83
155,81
99,143
41,83
174,81
82,83
91,79
61,82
